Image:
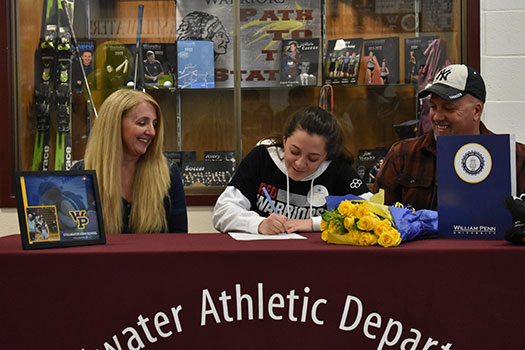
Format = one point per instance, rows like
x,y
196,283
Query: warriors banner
x,y
263,26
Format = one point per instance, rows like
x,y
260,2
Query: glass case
x,y
269,59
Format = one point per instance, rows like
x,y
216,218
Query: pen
x,y
271,202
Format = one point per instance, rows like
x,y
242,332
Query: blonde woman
x,y
139,191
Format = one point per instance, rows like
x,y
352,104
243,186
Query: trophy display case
x,y
227,73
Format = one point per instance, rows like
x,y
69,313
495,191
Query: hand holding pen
x,y
275,223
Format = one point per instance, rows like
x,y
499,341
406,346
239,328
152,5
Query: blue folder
x,y
474,174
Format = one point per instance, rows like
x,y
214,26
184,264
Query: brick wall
x,y
503,65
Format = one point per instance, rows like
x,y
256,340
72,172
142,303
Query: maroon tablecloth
x,y
208,291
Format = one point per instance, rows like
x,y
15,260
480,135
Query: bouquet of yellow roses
x,y
366,223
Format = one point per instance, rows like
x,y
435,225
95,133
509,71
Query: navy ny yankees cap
x,y
455,81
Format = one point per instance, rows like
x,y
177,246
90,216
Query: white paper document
x,y
243,236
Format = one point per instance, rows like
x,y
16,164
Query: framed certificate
x,y
59,209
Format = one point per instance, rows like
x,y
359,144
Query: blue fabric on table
x,y
412,224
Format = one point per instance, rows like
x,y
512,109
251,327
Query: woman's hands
x,y
297,225
275,224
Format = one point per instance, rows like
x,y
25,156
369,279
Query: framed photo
x,y
59,209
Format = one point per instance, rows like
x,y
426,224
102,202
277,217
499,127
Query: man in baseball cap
x,y
457,96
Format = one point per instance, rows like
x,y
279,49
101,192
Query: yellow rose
x,y
324,235
335,227
345,208
367,223
349,223
390,238
354,236
367,239
324,225
382,226
353,208
361,211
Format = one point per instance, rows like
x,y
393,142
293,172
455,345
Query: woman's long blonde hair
x,y
152,179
